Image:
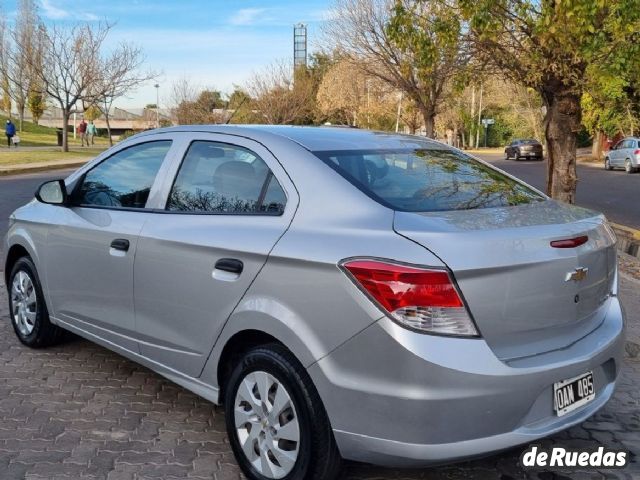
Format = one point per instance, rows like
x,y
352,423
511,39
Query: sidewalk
x,y
41,166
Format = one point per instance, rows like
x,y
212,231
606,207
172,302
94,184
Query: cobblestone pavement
x,y
79,411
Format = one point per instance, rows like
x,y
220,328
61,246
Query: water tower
x,y
300,45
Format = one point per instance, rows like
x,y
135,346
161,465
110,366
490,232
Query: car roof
x,y
316,138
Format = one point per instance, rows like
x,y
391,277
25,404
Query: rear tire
x,y
607,164
292,439
27,307
628,167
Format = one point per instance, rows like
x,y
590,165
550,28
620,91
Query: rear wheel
x,y
607,164
27,307
628,167
277,425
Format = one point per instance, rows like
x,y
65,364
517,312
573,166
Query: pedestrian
x,y
10,130
82,130
92,131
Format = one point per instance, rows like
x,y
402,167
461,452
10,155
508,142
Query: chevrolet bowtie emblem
x,y
577,275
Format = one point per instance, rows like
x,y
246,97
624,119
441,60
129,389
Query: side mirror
x,y
53,192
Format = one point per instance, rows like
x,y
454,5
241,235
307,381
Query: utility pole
x,y
157,85
398,114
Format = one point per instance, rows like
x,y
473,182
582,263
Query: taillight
x,y
637,152
570,242
418,298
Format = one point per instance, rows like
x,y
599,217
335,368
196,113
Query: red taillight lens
x,y
570,242
637,152
420,298
396,286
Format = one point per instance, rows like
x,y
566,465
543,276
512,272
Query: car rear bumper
x,y
400,398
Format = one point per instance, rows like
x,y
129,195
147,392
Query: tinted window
x,y
222,178
426,180
124,179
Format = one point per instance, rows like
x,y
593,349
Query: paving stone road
x,y
79,411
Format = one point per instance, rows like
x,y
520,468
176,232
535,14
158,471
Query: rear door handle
x,y
231,265
120,244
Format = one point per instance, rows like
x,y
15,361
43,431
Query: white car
x,y
625,154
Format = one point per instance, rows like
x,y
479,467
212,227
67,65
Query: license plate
x,y
573,393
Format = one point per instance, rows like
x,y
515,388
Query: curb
x,y
16,170
624,231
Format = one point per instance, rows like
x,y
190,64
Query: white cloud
x,y
247,16
53,12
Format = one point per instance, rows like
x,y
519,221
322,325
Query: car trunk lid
x,y
524,294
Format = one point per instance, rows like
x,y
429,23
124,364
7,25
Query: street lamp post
x,y
157,85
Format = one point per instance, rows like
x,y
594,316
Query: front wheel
x,y
27,307
277,425
607,164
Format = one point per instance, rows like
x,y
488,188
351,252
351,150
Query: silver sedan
x,y
343,293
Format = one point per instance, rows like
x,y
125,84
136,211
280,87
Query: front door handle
x,y
120,244
231,265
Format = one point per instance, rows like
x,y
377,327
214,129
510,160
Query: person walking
x,y
92,131
82,130
10,131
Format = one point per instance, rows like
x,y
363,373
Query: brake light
x,y
637,152
570,242
418,298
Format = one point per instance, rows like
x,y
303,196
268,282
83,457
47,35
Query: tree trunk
x,y
562,124
429,117
106,119
65,130
596,147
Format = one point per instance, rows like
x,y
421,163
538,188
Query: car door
x,y
616,155
229,204
91,245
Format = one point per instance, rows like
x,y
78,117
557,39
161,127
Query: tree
x,y
26,59
610,105
92,113
36,104
548,46
277,98
415,47
118,74
5,82
71,67
196,106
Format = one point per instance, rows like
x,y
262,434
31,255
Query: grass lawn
x,y
18,157
33,135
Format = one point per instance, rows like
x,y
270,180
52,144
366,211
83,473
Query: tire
x,y
607,164
628,167
314,455
27,308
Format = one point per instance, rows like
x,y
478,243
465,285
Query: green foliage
x,y
92,113
126,134
36,104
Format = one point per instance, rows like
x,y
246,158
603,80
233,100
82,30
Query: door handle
x,y
120,244
230,265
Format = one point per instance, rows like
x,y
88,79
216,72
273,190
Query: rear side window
x,y
426,180
221,178
123,180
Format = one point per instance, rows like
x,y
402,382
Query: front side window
x,y
221,178
123,180
427,180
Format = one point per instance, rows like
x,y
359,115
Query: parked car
x,y
524,149
343,293
625,154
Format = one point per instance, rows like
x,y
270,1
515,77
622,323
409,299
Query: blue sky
x,y
214,43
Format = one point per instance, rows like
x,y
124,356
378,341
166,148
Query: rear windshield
x,y
426,180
